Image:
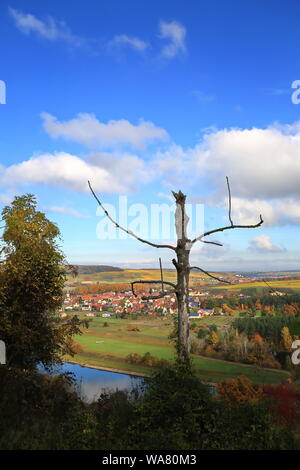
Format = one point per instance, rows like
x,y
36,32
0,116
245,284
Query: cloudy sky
x,y
142,98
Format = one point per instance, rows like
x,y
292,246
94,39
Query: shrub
x,y
238,390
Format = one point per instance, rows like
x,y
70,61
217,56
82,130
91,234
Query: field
x,y
128,275
276,284
196,279
108,347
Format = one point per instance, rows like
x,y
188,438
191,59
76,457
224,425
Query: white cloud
x,y
175,33
124,40
5,198
263,166
50,29
263,243
67,211
261,163
290,210
86,129
247,211
71,172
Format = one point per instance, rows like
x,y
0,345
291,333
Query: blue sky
x,y
145,97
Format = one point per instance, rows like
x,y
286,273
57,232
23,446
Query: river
x,y
91,382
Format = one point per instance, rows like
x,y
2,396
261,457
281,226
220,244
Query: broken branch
x,y
124,229
210,275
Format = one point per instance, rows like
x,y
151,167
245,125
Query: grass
x,y
117,341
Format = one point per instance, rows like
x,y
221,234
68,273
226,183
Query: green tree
x,y
32,276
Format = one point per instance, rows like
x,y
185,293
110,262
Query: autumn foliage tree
x,y
286,339
239,390
284,403
32,277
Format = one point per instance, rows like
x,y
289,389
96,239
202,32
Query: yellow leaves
x,y
239,390
214,339
286,339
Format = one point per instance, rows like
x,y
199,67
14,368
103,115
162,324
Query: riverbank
x,y
121,372
109,369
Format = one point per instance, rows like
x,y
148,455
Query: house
x,y
86,307
202,312
194,315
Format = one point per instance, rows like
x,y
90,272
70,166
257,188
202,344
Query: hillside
x,y
85,269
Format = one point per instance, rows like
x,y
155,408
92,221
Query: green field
x,y
115,342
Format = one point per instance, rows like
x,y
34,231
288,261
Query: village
x,y
111,304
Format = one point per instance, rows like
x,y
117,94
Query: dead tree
x,y
182,264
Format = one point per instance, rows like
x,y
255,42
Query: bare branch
x,y
210,275
124,229
229,202
210,232
151,282
159,296
270,287
161,275
228,227
211,243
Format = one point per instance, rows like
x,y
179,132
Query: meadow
x,y
107,347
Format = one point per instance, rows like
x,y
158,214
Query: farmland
x,y
128,275
274,284
108,347
197,278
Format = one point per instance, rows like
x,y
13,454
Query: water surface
x,y
91,382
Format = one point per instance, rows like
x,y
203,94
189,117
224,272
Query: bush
x,y
147,359
42,412
238,390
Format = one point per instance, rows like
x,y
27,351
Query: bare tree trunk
x,y
182,265
182,294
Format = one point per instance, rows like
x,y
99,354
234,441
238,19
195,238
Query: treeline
x,y
287,304
107,287
270,328
86,269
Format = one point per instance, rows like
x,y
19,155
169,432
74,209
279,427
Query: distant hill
x,y
85,269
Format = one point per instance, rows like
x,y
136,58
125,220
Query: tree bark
x,y
182,294
182,265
